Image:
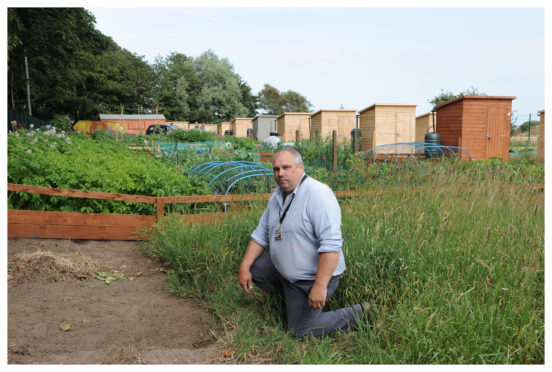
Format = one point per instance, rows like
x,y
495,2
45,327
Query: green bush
x,y
191,135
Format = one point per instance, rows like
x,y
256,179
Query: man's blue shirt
x,y
312,225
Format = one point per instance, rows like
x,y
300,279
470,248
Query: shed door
x,y
498,129
405,128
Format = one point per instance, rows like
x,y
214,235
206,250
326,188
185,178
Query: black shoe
x,y
368,310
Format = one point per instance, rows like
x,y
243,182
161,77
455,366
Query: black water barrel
x,y
228,132
432,138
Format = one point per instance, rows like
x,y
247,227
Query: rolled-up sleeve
x,y
325,216
260,235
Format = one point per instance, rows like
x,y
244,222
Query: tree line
x,y
58,59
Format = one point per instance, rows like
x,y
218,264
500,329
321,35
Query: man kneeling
x,y
301,227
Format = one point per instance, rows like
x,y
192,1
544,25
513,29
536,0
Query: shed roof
x,y
131,117
385,104
266,116
295,113
474,97
320,111
423,115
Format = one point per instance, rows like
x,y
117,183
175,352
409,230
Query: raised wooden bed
x,y
102,226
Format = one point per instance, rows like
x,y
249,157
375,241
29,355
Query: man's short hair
x,y
296,155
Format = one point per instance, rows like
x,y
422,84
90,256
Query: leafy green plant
x,y
55,159
192,135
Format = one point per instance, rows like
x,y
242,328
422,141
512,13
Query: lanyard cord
x,y
291,201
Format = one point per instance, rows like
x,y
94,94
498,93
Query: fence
x,y
101,226
23,119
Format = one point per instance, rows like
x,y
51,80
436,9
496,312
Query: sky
x,y
350,57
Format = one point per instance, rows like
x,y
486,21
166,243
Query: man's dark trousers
x,y
303,319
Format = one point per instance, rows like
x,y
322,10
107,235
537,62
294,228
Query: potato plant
x,y
47,157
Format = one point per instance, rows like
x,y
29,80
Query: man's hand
x,y
245,279
317,296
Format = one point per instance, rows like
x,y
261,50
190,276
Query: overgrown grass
x,y
458,276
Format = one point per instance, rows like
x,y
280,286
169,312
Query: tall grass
x,y
457,274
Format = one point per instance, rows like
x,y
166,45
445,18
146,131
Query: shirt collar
x,y
281,192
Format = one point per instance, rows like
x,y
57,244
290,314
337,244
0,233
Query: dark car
x,y
161,129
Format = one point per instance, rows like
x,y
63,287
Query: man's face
x,y
286,173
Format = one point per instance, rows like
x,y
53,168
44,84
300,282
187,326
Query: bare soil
x,y
59,313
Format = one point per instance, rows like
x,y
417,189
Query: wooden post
x,y
297,140
334,133
160,208
28,86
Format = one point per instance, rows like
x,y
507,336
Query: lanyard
x,y
291,201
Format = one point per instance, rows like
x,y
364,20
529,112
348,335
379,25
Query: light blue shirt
x,y
312,226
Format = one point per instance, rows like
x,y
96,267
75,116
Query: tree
x,y
446,96
74,69
275,103
525,126
176,86
220,96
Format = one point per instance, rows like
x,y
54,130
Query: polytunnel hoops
x,y
227,173
396,150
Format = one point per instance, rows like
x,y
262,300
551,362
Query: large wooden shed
x,y
263,125
240,126
290,122
424,124
324,122
386,123
479,124
540,142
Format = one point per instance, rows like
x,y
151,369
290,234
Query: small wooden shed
x,y
479,124
424,124
290,122
386,123
324,122
240,126
134,124
540,142
263,125
222,127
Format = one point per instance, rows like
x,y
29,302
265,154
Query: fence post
x,y
160,208
334,134
297,140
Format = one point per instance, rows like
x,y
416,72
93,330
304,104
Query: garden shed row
x,y
479,124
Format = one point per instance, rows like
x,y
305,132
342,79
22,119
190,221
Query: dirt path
x,y
128,321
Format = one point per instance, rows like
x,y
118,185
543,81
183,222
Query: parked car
x,y
161,129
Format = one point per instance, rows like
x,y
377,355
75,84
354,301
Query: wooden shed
x,y
540,142
290,122
324,122
424,124
134,124
263,125
386,123
240,126
222,127
479,124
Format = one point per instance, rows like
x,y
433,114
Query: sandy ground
x,y
129,321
